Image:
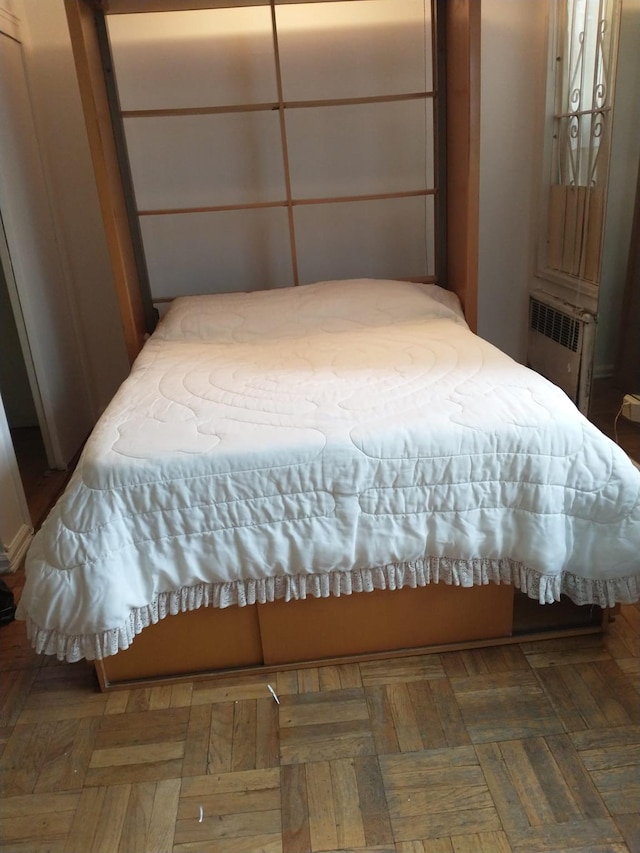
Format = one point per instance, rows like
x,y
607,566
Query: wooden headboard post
x,y
463,151
95,103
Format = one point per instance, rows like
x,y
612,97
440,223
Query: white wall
x,y
625,159
65,151
513,62
35,264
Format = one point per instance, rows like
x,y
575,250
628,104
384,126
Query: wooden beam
x,y
95,104
123,7
463,151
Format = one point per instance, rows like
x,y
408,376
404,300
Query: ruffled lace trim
x,y
546,589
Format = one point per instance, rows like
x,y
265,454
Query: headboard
x,y
242,145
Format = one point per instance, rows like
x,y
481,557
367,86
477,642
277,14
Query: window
x,y
585,62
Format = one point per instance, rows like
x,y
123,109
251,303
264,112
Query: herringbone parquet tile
x,y
529,748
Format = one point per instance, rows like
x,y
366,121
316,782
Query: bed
x,y
315,471
348,444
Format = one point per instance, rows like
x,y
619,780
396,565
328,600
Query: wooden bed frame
x,y
364,626
381,623
462,24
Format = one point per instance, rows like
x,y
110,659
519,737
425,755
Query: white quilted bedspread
x,y
320,440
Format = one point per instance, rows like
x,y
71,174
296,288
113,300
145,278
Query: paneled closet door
x,y
273,145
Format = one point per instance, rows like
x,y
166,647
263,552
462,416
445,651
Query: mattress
x,y
323,440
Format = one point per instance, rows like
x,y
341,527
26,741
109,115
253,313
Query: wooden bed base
x,y
280,635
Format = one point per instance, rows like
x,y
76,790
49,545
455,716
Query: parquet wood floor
x,y
529,748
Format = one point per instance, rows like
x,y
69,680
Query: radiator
x,y
560,345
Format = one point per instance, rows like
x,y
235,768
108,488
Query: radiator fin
x,y
554,324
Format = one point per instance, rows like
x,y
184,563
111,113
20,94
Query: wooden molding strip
x,y
366,197
179,112
285,147
293,202
220,208
272,106
463,152
128,7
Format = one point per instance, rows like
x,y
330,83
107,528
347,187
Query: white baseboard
x,y
11,558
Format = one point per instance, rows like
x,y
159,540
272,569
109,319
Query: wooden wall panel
x,y
463,151
464,28
95,104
